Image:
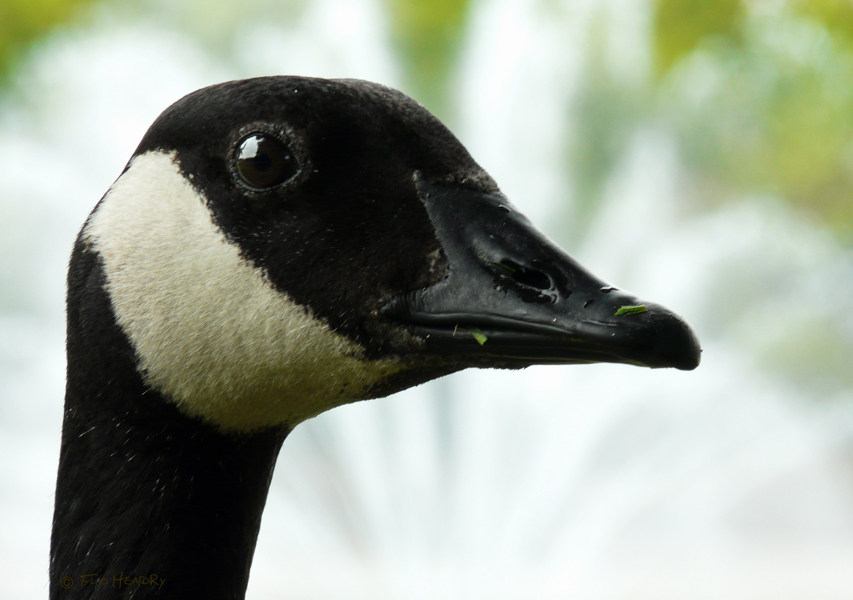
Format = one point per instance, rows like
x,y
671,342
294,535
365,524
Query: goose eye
x,y
264,161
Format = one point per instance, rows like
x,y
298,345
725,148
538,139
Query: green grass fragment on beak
x,y
479,336
631,310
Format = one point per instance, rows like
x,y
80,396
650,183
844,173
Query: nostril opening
x,y
587,303
525,276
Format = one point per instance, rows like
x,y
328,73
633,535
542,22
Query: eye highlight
x,y
263,161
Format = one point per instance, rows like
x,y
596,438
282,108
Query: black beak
x,y
511,298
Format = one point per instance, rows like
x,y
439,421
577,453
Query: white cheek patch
x,y
209,330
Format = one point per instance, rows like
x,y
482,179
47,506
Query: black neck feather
x,y
149,502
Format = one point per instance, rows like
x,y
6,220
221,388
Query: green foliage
x,y
681,25
835,15
428,36
809,147
22,21
758,93
776,115
606,116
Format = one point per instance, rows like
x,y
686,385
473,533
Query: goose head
x,y
274,248
280,246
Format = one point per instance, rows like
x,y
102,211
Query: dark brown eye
x,y
264,161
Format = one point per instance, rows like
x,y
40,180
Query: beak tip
x,y
676,343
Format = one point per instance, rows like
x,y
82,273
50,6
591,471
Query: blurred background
x,y
699,154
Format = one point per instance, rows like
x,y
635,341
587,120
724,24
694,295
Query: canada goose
x,y
274,248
